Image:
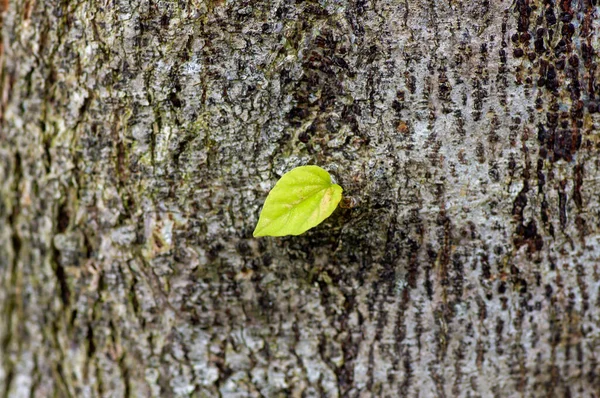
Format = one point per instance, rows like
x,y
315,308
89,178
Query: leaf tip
x,y
257,232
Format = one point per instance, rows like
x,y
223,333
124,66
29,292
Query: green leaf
x,y
300,200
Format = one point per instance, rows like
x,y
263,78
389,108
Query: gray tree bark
x,y
140,138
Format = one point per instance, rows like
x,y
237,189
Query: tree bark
x,y
139,140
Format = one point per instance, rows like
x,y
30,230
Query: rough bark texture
x,y
139,139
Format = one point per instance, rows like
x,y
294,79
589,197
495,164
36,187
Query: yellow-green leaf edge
x,y
301,199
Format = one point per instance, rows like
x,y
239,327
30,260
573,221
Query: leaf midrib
x,y
289,212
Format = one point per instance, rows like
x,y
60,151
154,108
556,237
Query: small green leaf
x,y
300,200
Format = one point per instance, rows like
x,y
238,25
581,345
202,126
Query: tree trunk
x,y
139,140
